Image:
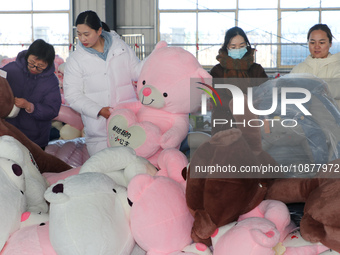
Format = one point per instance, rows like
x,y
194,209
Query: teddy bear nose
x,y
146,92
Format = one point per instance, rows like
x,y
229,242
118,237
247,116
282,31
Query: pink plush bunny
x,y
167,94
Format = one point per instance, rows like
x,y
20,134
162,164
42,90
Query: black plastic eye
x,y
143,82
130,203
16,170
114,191
165,94
42,224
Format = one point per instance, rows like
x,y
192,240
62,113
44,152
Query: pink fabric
x,y
32,240
54,177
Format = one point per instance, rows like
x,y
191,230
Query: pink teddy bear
x,y
167,94
160,220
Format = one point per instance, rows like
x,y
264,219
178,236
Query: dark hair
x,y
322,27
89,18
105,27
42,50
231,33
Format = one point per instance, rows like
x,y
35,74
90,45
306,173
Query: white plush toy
x,y
12,197
120,163
89,214
36,185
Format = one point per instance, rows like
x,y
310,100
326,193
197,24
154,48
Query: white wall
x,y
95,5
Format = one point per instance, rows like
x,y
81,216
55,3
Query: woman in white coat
x,y
98,76
321,62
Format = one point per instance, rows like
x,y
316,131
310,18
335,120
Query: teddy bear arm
x,y
173,137
133,106
203,225
291,190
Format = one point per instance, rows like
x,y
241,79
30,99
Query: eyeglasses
x,y
32,65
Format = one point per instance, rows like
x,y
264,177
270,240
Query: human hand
x,y
22,103
105,112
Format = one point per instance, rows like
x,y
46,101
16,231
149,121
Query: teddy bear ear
x,y
55,193
204,75
161,44
137,186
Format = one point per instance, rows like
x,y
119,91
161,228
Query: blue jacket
x,y
40,89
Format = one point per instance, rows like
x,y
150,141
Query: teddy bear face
x,y
87,216
167,77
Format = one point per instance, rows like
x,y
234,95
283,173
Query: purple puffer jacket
x,y
40,89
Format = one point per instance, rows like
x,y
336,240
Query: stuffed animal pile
x,y
117,200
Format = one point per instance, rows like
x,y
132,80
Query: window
x,y
24,21
276,28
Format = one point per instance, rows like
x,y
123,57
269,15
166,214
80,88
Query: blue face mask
x,y
237,53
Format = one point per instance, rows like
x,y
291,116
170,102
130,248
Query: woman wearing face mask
x,y
236,59
321,62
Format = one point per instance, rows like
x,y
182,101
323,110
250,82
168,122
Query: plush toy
x,y
12,197
45,161
320,221
275,211
294,244
31,238
89,214
266,229
167,94
259,230
35,183
160,220
120,163
215,197
71,117
257,236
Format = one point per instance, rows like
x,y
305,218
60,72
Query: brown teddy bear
x,y
216,199
46,162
